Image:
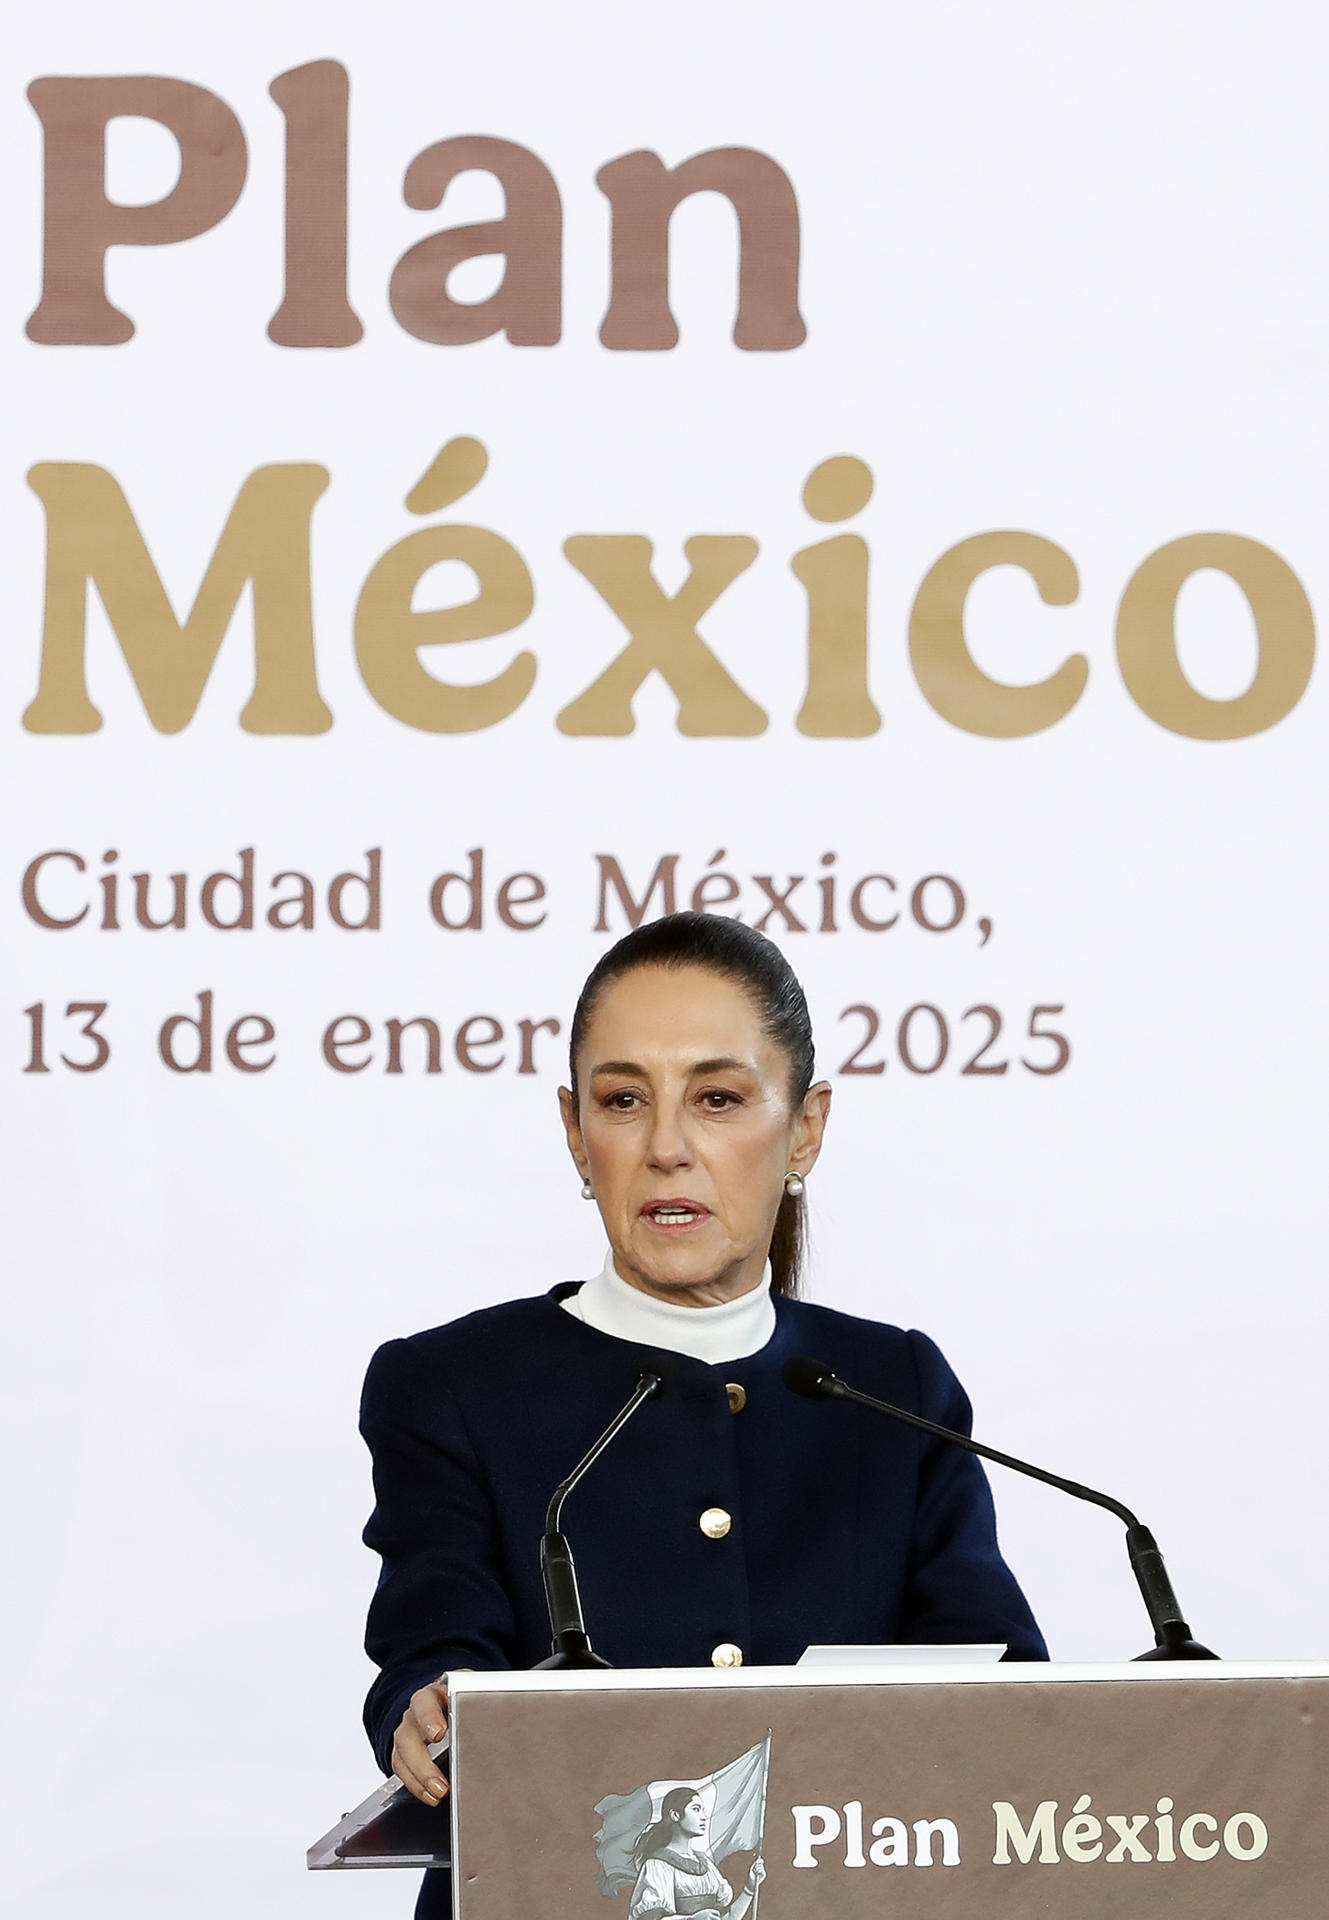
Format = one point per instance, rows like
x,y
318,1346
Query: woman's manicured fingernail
x,y
436,1788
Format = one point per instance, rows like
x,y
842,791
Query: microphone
x,y
571,1642
1173,1639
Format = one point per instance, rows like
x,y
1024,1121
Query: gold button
x,y
715,1523
726,1655
738,1398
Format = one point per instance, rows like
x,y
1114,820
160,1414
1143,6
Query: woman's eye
x,y
717,1098
621,1101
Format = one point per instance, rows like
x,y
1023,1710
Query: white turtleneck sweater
x,y
713,1335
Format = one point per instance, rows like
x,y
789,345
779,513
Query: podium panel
x,y
1073,1793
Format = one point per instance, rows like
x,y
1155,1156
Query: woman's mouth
x,y
674,1215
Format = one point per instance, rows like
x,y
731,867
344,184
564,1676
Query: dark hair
x,y
737,953
655,1838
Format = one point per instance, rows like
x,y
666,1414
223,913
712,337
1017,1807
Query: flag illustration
x,y
734,1798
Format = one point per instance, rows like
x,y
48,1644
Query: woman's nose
x,y
669,1144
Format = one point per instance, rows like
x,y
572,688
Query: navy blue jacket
x,y
847,1528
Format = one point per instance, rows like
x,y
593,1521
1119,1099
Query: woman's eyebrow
x,y
723,1063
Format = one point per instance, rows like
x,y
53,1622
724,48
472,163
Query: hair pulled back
x,y
733,952
654,1839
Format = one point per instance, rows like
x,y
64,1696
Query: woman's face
x,y
692,1820
684,1127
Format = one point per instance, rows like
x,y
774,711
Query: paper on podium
x,y
977,1653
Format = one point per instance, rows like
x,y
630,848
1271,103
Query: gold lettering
x,y
91,535
837,705
389,632
664,635
1147,639
950,678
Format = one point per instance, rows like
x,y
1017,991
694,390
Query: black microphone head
x,y
663,1368
812,1378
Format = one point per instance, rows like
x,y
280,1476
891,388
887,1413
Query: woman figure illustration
x,y
677,1878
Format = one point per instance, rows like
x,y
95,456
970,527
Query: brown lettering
x,y
243,882
202,1027
643,194
470,1035
334,1043
528,1030
237,1042
528,304
509,900
33,906
372,882
396,1028
315,311
862,917
303,902
634,911
471,884
81,222
176,917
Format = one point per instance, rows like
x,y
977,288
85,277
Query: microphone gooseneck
x,y
1173,1639
567,1623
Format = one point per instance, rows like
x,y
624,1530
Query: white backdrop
x,y
1061,273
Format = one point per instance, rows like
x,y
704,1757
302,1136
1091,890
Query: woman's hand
x,y
756,1874
425,1720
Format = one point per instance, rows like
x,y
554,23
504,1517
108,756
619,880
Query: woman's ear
x,y
567,1107
809,1127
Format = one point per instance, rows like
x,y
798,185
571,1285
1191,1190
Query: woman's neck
x,y
730,1331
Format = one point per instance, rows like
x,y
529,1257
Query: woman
x,y
730,1521
677,1879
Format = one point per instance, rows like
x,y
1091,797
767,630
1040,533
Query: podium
x,y
1070,1792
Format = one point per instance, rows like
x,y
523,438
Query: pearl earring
x,y
793,1185
587,1190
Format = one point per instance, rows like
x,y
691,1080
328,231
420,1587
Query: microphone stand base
x,y
571,1652
1186,1649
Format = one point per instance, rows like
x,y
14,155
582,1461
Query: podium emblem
x,y
665,1842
